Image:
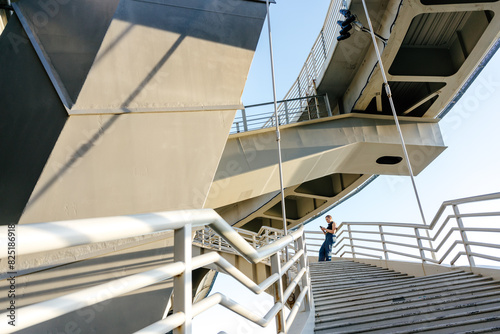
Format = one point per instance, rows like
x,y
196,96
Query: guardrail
x,y
302,95
292,111
313,66
59,235
395,241
206,237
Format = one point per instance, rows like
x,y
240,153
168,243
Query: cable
x,y
278,136
389,95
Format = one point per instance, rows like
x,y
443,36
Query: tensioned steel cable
x,y
278,136
389,95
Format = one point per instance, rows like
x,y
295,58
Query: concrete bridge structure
x,y
124,107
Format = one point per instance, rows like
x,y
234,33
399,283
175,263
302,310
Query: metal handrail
x,y
313,67
208,238
293,110
346,240
304,87
57,235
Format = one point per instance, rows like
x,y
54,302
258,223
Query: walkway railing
x,y
302,95
314,65
459,234
208,238
59,235
259,116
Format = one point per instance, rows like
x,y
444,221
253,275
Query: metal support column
x,y
183,299
278,292
302,263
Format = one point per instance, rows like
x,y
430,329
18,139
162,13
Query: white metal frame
x,y
58,235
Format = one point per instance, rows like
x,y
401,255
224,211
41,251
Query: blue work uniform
x,y
326,248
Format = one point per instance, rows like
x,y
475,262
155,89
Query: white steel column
x,y
183,299
302,263
278,292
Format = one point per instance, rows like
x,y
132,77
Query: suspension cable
x,y
391,102
278,136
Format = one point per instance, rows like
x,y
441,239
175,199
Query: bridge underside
x,y
432,48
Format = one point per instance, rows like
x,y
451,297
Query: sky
x,y
468,167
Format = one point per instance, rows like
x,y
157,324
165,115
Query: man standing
x,y
326,248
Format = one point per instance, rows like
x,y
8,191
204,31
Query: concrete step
x,y
325,292
341,274
393,288
412,310
339,265
404,292
359,278
394,283
429,298
427,319
359,281
376,312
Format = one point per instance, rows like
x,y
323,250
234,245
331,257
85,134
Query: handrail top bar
x,y
409,225
471,199
445,204
40,237
286,100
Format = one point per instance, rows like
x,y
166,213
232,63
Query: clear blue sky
x,y
468,167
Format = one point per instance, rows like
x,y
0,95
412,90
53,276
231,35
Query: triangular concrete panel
x,y
69,34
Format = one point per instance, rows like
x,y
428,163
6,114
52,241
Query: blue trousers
x,y
326,248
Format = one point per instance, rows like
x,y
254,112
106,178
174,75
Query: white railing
x,y
59,235
314,66
471,236
300,109
208,238
302,96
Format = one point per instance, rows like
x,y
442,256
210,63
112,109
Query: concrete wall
x,y
118,107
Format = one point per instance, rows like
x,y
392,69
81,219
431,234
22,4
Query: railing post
x,y
302,263
327,104
237,127
317,106
203,237
286,113
183,298
323,43
244,115
419,244
350,241
463,234
382,239
278,292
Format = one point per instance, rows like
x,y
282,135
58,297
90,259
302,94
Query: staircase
x,y
351,297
